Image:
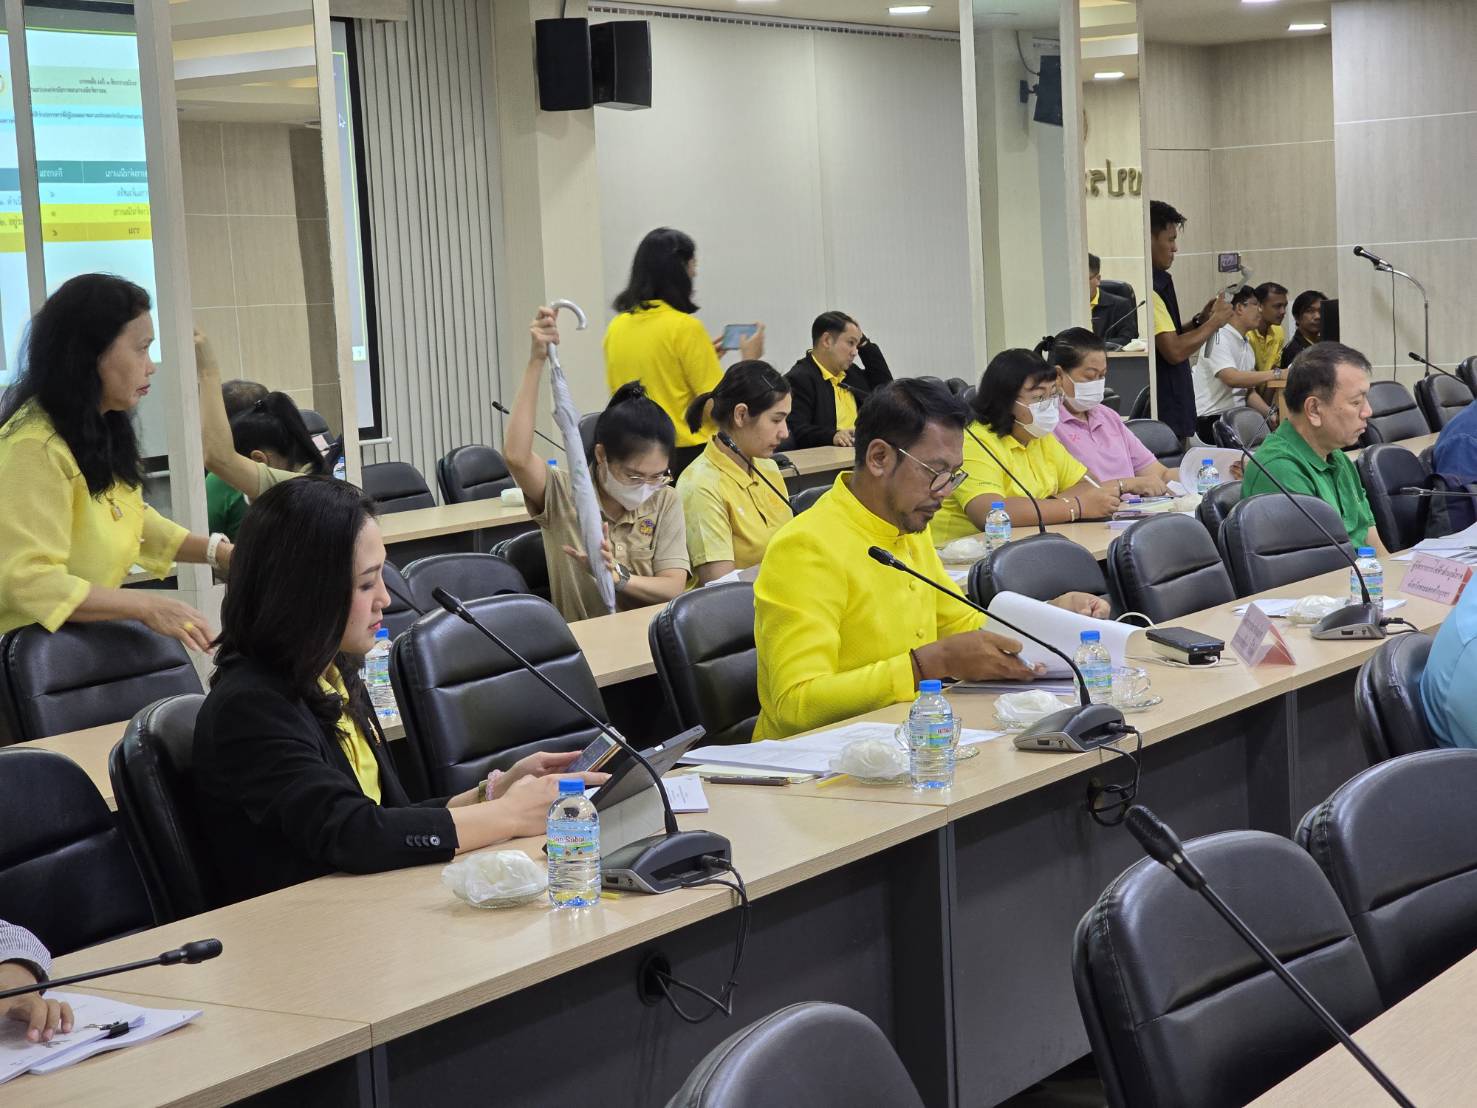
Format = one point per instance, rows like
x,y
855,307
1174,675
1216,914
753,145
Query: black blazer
x,y
1115,318
813,414
279,803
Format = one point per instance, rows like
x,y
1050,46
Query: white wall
x,y
815,169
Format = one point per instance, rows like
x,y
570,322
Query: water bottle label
x,y
577,847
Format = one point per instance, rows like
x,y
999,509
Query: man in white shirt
x,y
1226,372
25,961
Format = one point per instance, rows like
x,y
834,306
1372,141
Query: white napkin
x,y
495,875
1027,707
970,549
871,758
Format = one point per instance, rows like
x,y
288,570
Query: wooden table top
x,y
1425,1044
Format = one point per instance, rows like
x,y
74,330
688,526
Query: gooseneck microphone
x,y
198,951
1353,621
1385,267
1081,728
1040,521
727,440
1431,367
1374,259
1108,327
1163,845
536,431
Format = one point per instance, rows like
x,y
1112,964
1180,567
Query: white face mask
x,y
629,497
1044,417
1087,395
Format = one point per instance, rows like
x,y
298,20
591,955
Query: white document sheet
x,y
1223,457
685,791
18,1056
808,753
1061,628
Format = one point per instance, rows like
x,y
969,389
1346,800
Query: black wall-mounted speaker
x,y
563,53
621,63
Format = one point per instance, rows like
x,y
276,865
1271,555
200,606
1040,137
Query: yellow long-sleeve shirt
x,y
833,628
56,539
671,354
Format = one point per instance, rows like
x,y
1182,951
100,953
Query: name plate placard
x,y
1438,579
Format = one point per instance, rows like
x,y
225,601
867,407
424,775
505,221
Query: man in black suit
x,y
1114,318
827,388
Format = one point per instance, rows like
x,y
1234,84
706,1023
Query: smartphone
x,y
592,757
735,333
1228,262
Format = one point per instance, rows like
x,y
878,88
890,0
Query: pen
x,y
734,779
829,781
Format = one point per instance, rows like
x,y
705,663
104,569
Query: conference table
x,y
947,919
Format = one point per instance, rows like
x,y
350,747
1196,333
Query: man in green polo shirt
x,y
1327,405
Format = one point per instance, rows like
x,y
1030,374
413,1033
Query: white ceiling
x,y
1211,22
943,17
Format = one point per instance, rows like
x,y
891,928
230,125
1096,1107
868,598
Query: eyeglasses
x,y
943,483
637,480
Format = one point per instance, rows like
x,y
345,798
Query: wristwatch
x,y
212,546
622,576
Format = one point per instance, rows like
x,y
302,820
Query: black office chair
x,y
399,615
968,395
525,553
1399,845
85,674
151,768
314,422
1216,505
472,472
587,432
1384,469
465,576
957,385
468,708
1266,542
1141,406
1387,698
1039,566
1467,370
806,497
1166,567
1112,400
1159,439
1441,399
1179,1010
1118,288
809,1055
703,646
65,870
396,487
1395,415
1242,422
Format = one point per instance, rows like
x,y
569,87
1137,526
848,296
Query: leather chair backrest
x,y
466,576
1216,505
65,870
525,553
703,646
1179,1010
1141,405
587,431
1387,698
399,615
1039,566
1467,370
396,487
1157,437
1395,415
314,422
806,497
468,708
817,1054
1119,288
1266,542
1441,398
1166,567
151,769
1243,423
1399,845
472,472
957,385
85,674
1383,469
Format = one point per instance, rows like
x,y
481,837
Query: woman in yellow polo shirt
x,y
292,776
656,339
1015,412
733,496
73,521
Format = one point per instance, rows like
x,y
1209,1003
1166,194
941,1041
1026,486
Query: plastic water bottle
x,y
1374,580
573,848
997,526
1207,477
377,679
931,738
341,470
1097,667
553,463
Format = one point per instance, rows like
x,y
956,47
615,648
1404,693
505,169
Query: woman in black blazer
x,y
292,776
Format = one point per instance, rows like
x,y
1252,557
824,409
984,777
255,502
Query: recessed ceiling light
x,y
1307,26
1111,75
909,9
1259,1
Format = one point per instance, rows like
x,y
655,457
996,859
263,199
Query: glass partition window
x,y
15,296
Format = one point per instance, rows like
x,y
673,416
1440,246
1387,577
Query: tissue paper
x,y
496,879
1021,709
871,760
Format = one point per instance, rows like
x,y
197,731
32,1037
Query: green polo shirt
x,y
1290,459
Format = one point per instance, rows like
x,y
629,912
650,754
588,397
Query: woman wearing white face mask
x,y
1092,432
645,547
1010,451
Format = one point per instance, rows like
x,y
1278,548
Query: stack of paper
x,y
94,1016
1059,627
1281,608
808,753
1461,547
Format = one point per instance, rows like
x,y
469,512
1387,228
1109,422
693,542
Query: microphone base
x,y
1072,730
661,863
1354,621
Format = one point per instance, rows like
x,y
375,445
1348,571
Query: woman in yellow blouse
x,y
1015,412
657,340
73,521
733,496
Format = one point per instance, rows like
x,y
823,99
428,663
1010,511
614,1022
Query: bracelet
x,y
1079,506
212,546
490,784
1120,489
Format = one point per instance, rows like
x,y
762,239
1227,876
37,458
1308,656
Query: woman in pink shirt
x,y
1092,432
